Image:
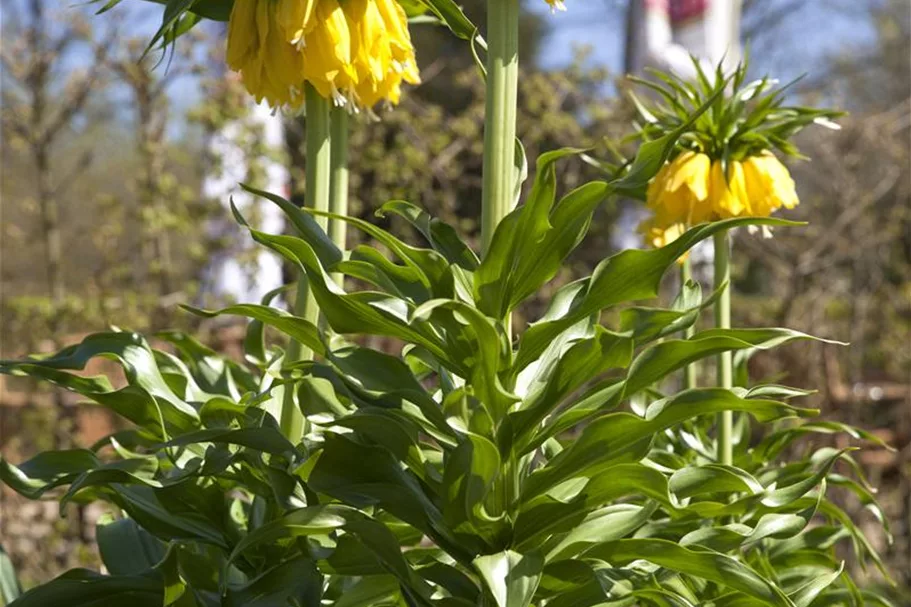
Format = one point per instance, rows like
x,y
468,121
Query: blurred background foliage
x,y
103,218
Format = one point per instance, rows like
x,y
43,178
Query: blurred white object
x,y
229,277
664,33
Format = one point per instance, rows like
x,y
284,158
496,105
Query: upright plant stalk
x,y
725,359
316,197
500,116
338,190
499,155
689,371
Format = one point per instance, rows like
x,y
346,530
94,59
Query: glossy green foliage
x,y
556,467
9,582
752,118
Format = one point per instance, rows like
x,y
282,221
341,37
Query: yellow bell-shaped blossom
x,y
679,191
259,48
556,5
381,50
693,189
769,185
659,233
355,50
729,192
326,47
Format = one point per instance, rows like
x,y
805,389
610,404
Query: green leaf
x,y
394,432
775,442
173,13
293,582
647,324
46,471
84,588
712,478
733,536
387,381
211,371
170,513
9,583
265,439
566,505
616,436
138,471
306,226
365,312
314,520
518,235
601,525
805,595
340,473
367,264
469,477
655,362
510,577
581,361
139,366
369,591
474,343
705,564
296,328
652,155
569,221
254,339
441,236
126,548
530,244
790,493
627,276
432,268
449,13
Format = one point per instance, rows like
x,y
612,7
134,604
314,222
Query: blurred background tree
x,y
104,156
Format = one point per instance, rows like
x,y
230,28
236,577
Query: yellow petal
x,y
691,170
729,196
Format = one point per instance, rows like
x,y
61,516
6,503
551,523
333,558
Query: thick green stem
x,y
500,116
316,190
338,190
725,359
689,371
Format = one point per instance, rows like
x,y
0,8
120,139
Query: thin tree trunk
x,y
47,204
50,227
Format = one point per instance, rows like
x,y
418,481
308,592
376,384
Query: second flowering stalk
x,y
314,54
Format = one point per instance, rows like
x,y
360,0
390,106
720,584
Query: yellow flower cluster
x,y
354,51
693,189
556,5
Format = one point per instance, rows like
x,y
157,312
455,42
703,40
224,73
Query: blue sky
x,y
815,30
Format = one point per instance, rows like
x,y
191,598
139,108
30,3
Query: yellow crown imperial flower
x,y
679,191
692,189
657,233
259,48
724,166
556,5
355,50
381,49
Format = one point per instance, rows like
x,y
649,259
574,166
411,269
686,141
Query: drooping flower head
x,y
381,50
724,166
556,5
258,47
355,52
693,189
